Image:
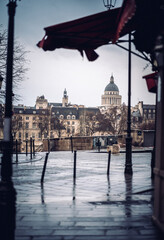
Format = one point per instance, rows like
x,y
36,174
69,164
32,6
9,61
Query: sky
x,y
52,71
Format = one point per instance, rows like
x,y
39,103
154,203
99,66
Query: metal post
x,y
33,143
26,147
48,141
31,148
128,163
44,168
74,169
7,191
16,146
108,168
71,144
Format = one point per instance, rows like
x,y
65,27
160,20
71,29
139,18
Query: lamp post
x,y
7,191
109,3
128,163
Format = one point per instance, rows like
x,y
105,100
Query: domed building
x,y
111,97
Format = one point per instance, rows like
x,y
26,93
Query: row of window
x,y
40,118
33,112
112,93
150,115
68,116
34,135
149,110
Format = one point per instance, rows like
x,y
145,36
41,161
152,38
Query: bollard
x,y
108,168
16,151
74,169
26,147
48,145
44,168
33,144
31,148
71,144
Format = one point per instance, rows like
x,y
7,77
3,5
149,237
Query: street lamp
x,y
128,163
109,3
7,191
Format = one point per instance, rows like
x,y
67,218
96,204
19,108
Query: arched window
x,y
68,117
73,117
61,117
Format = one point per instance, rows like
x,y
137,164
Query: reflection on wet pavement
x,y
93,206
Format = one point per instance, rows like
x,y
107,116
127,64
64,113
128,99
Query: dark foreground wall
x,y
64,144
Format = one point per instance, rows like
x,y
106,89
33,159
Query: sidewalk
x,y
95,207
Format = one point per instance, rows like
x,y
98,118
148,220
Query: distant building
x,y
144,112
111,97
49,120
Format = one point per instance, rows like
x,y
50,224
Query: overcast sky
x,y
51,72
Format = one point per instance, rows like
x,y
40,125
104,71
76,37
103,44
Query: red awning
x,y
88,33
151,81
127,11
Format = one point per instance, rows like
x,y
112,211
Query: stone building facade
x,y
49,120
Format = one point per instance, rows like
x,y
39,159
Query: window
x,y
45,135
43,112
34,112
68,123
33,135
20,111
40,118
73,117
19,124
73,123
27,118
39,135
61,117
19,135
27,125
68,117
68,130
73,130
26,135
34,118
34,125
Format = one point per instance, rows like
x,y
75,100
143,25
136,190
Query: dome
x,y
111,86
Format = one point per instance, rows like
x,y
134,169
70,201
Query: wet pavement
x,y
92,207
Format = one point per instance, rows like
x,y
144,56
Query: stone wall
x,y
64,144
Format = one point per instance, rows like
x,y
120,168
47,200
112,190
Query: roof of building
x,y
111,86
55,104
29,110
148,106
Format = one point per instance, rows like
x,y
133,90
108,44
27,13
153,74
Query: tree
x,y
57,125
114,121
90,123
148,125
44,124
17,125
103,123
123,119
20,63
